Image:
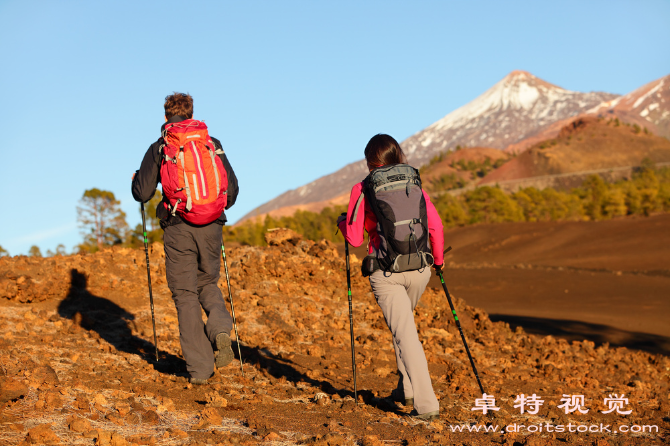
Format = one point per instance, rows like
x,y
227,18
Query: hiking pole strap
x,y
232,306
151,294
351,319
458,324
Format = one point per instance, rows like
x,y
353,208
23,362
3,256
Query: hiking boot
x,y
428,416
197,381
399,397
224,350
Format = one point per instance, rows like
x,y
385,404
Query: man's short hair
x,y
179,104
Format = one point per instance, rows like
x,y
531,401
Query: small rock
x,y
44,374
214,399
42,434
315,350
142,439
167,405
117,440
79,425
211,415
53,401
104,438
82,402
278,236
123,408
383,372
11,389
371,440
177,432
133,418
321,399
91,434
272,436
151,417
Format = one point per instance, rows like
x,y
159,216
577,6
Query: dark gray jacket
x,y
148,176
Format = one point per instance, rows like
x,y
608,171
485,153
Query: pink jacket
x,y
353,231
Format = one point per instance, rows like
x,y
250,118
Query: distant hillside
x,y
286,211
461,167
468,163
515,108
587,143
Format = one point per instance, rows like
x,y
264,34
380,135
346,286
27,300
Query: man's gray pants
x,y
192,267
398,294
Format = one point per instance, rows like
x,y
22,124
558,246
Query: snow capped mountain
x,y
513,109
518,106
648,106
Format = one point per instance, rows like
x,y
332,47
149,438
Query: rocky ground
x,y
77,362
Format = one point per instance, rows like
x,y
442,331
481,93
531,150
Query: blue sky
x,y
293,89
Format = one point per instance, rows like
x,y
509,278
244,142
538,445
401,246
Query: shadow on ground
x,y
113,324
281,367
578,331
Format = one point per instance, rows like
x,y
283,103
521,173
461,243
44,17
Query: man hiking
x,y
198,185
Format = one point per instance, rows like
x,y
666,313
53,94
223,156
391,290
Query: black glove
x,y
341,218
438,268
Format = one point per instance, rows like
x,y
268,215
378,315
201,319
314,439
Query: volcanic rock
x,y
42,435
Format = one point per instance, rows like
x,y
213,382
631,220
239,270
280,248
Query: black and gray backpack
x,y
396,198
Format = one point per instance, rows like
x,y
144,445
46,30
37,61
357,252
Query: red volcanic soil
x,y
586,143
77,365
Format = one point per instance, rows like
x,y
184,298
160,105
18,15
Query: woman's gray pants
x,y
192,268
398,294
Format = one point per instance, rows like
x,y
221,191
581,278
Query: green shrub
x,y
646,192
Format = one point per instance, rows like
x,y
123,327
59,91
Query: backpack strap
x,y
358,205
202,176
410,222
216,170
189,203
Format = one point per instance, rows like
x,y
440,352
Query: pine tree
x,y
60,251
101,220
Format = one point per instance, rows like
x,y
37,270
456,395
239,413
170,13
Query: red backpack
x,y
192,174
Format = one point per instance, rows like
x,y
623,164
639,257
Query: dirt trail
x,y
77,367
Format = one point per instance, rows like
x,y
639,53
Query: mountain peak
x,y
518,77
516,107
519,74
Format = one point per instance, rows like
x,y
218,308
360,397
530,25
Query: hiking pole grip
x,y
351,319
232,306
151,295
458,324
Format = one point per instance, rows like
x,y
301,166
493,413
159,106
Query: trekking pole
x,y
351,319
232,306
458,324
151,295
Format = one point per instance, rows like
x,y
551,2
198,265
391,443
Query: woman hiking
x,y
402,226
